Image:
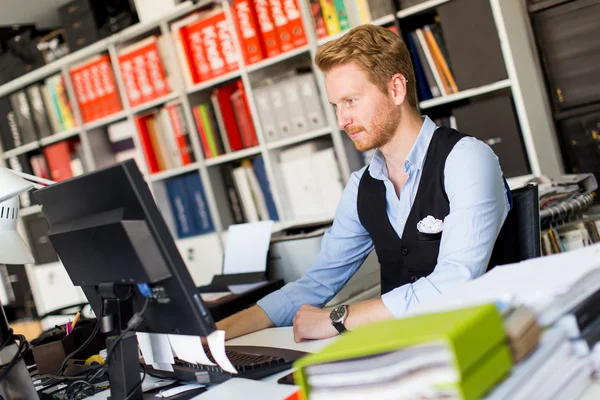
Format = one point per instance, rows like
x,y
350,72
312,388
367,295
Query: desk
x,y
284,338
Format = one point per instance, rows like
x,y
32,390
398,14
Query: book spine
x,y
318,20
267,28
296,27
248,31
181,207
342,14
201,212
281,25
331,20
226,44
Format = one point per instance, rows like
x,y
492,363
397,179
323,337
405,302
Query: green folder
x,y
474,336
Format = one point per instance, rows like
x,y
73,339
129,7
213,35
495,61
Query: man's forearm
x,y
247,321
366,312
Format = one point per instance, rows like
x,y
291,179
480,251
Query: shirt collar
x,y
415,158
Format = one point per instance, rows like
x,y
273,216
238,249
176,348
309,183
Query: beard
x,y
381,129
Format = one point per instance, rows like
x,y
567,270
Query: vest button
x,y
413,279
405,251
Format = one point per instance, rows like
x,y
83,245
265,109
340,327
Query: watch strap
x,y
339,326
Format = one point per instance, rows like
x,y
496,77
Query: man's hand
x,y
312,323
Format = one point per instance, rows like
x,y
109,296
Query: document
x,y
156,350
247,247
189,348
216,344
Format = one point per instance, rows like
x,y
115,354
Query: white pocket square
x,y
430,224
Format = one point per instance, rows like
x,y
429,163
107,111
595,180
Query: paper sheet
x,y
189,348
536,283
207,297
247,389
156,350
145,347
163,367
216,344
237,289
247,247
179,389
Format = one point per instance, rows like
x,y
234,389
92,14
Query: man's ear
x,y
398,88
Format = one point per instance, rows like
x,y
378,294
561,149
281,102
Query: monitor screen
x,y
107,229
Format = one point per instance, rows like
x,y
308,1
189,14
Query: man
x,y
431,202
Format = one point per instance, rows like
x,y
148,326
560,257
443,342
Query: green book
x,y
340,10
465,351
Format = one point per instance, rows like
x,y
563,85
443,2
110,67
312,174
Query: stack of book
x,y
95,88
225,124
35,112
144,74
431,62
458,354
165,138
267,28
289,106
248,191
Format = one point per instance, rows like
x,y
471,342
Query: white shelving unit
x,y
524,81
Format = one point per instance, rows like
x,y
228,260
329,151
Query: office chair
x,y
519,238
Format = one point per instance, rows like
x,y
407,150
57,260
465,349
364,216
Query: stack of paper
x,y
456,355
550,286
553,371
160,350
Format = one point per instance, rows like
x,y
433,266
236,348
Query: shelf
x,y
159,176
214,82
298,138
277,59
154,103
105,121
30,210
329,38
465,94
97,47
383,20
419,8
236,155
21,150
57,137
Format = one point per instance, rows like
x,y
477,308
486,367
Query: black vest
x,y
415,255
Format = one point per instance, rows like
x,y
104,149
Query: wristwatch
x,y
337,316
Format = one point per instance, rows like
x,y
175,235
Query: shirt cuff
x,y
278,307
395,301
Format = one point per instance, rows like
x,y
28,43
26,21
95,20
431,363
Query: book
x,y
468,353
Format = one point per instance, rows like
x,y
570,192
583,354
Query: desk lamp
x,y
15,382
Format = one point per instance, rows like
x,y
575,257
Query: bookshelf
x,y
522,83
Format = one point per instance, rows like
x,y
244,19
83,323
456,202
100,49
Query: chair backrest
x,y
519,238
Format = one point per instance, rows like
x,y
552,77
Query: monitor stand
x,y
124,364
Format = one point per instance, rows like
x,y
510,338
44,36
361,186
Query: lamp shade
x,y
13,249
12,185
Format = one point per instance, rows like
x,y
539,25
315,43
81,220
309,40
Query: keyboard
x,y
251,362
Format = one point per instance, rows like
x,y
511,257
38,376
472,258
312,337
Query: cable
x,y
21,350
87,342
133,322
139,384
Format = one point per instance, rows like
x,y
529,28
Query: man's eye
x,y
350,102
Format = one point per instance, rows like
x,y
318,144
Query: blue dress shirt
x,y
478,207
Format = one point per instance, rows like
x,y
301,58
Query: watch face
x,y
338,313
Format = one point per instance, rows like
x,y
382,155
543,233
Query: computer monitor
x,y
111,237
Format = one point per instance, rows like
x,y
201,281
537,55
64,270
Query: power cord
x,y
85,382
21,350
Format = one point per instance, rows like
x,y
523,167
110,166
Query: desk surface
x,y
283,337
